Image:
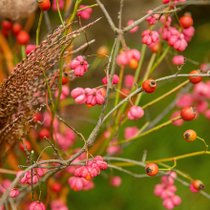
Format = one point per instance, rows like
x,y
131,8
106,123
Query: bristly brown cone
x,y
24,91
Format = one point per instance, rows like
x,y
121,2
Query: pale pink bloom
x,y
14,193
60,5
30,48
116,181
134,29
130,132
58,205
184,100
79,65
178,122
115,80
37,205
188,33
158,190
150,37
153,18
85,12
135,113
178,60
129,81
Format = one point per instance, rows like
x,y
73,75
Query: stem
x,y
160,59
39,27
204,142
59,12
150,131
179,157
23,51
146,75
165,95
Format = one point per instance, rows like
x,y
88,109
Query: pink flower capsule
x,y
188,33
60,5
129,81
14,193
79,65
166,20
153,18
78,94
115,80
37,205
176,200
134,29
64,92
178,60
100,98
185,100
168,204
77,183
130,132
84,172
159,189
122,59
100,162
202,106
178,42
116,181
30,48
135,113
58,205
150,37
113,149
178,122
84,12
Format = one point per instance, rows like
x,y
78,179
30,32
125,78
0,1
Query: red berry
x,y
149,85
37,117
195,79
16,28
65,80
198,185
44,133
188,113
56,187
186,21
155,48
44,5
25,144
23,38
151,169
6,25
190,135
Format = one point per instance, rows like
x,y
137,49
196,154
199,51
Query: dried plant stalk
x,y
25,88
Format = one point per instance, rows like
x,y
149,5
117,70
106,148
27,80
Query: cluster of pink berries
x,y
129,57
31,177
36,205
166,191
198,98
79,65
89,96
82,179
